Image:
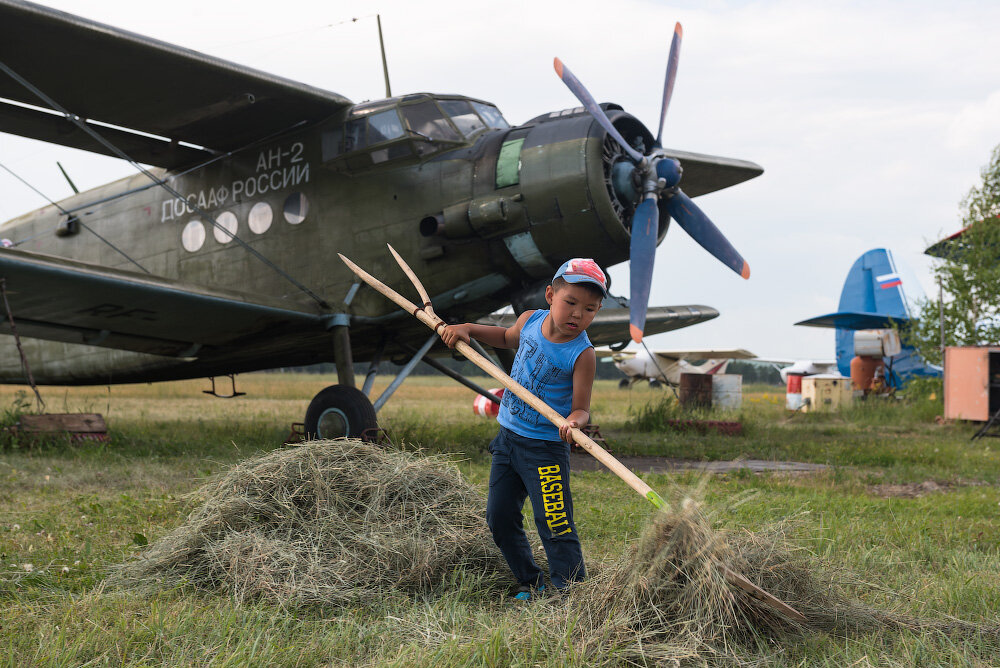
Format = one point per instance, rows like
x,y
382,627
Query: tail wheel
x,y
339,411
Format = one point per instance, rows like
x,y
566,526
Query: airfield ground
x,y
906,510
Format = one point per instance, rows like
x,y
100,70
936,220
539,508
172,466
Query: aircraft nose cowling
x,y
567,178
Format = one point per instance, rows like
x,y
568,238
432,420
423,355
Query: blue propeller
x,y
660,176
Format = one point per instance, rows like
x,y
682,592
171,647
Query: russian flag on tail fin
x,y
886,281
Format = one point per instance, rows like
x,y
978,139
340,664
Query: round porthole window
x,y
260,218
193,235
227,221
296,208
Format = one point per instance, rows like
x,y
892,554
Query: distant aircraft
x,y
666,366
805,367
878,294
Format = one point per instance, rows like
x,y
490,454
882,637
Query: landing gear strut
x,y
342,410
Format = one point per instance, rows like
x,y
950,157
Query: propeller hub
x,y
670,171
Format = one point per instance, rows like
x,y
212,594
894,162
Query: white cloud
x,y
976,125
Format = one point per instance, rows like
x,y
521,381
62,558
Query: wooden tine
x,y
413,279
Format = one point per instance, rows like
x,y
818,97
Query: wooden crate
x,y
826,394
78,426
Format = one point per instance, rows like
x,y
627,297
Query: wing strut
x,y
76,120
17,340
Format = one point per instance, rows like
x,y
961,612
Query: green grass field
x,y
908,511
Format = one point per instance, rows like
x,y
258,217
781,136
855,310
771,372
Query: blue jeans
x,y
524,467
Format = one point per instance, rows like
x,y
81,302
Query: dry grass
x,y
335,523
667,600
326,523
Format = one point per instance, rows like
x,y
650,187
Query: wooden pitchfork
x,y
426,315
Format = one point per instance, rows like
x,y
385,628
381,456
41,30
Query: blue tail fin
x,y
876,293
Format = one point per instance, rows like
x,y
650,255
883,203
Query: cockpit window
x,y
354,135
462,115
417,125
491,115
384,126
425,120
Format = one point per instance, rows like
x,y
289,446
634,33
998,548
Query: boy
x,y
556,362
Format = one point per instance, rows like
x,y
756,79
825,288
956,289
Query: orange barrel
x,y
793,393
484,407
863,370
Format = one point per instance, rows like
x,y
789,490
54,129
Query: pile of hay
x,y
667,599
327,522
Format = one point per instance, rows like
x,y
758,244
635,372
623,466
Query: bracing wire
x,y
660,369
304,31
67,213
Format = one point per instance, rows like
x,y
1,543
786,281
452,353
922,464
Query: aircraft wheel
x,y
624,383
339,411
655,383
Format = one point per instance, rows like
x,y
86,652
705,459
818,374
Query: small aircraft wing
x,y
691,354
852,320
615,355
102,73
611,325
63,300
705,354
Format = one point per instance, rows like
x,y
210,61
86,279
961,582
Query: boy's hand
x,y
565,430
452,334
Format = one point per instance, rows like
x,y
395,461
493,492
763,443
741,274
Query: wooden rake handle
x,y
426,315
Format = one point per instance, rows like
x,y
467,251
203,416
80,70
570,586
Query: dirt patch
x,y
912,490
651,464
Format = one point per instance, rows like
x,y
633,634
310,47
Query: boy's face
x,y
572,308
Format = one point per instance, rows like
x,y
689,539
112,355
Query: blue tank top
x,y
546,370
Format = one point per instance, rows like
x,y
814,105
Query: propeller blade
x,y
696,223
668,83
645,224
595,110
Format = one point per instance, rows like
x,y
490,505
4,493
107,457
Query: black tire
x,y
339,411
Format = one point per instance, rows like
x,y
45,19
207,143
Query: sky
x,y
871,119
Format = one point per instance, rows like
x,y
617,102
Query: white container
x,y
727,390
876,343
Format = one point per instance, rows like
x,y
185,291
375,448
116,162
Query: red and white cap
x,y
583,270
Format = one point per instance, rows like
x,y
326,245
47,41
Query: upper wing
x,y
63,300
616,355
705,354
106,74
611,325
